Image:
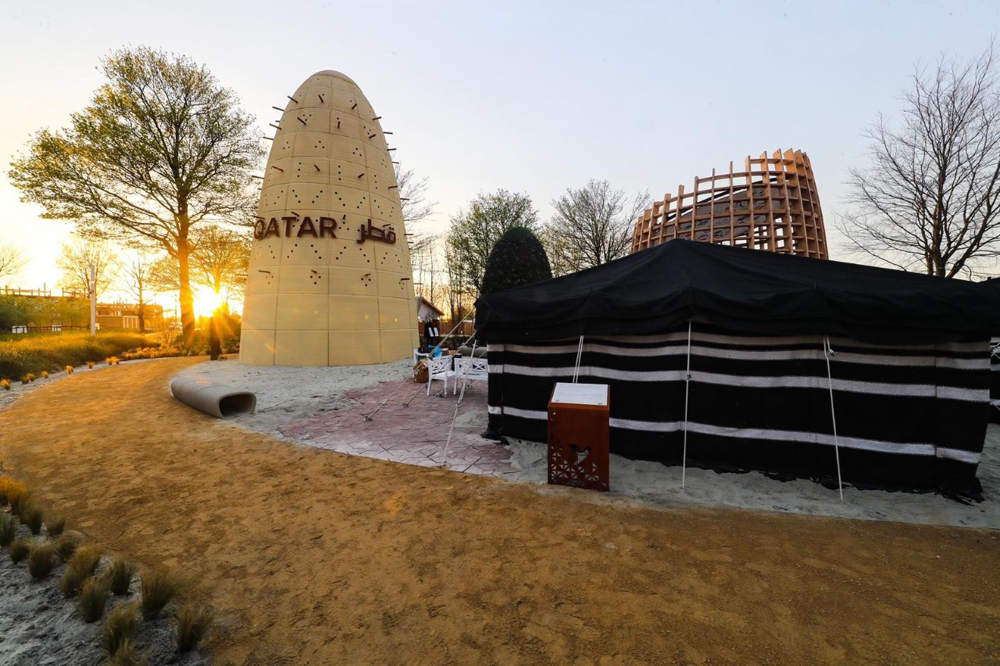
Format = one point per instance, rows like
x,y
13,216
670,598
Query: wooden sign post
x,y
578,435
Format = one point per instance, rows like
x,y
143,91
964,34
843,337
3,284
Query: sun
x,y
206,302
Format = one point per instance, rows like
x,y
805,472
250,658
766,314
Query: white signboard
x,y
581,394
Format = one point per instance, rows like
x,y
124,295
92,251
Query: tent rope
x,y
461,397
687,390
828,353
579,354
368,417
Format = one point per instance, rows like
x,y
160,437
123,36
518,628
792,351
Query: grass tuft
x,y
193,623
69,369
9,488
119,626
25,380
55,526
158,588
91,364
81,567
127,655
112,360
8,529
120,574
19,550
17,498
32,516
5,384
45,374
92,599
41,560
30,377
65,547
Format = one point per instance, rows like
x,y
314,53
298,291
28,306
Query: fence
x,y
54,328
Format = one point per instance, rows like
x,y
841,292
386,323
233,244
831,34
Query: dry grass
x,y
65,547
19,550
92,599
10,488
45,374
158,588
25,380
5,384
127,655
91,364
32,515
41,560
8,529
81,567
118,628
55,526
69,369
120,574
193,623
112,360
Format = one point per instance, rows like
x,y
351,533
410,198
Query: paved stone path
x,y
414,435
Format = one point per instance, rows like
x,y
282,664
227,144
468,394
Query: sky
x,y
533,97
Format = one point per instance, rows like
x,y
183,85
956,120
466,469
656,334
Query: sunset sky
x,y
530,97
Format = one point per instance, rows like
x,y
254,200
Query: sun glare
x,y
206,302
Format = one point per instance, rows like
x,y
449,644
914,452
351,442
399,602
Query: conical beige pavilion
x,y
329,281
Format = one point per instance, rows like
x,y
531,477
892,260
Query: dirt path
x,y
310,556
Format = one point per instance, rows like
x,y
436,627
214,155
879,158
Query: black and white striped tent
x,y
739,359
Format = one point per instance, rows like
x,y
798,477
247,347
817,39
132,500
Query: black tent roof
x,y
741,290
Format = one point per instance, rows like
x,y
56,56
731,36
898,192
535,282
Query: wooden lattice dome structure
x,y
771,205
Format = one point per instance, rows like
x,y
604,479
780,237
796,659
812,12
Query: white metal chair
x,y
417,355
439,368
470,369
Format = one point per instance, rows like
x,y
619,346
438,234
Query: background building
x,y
771,205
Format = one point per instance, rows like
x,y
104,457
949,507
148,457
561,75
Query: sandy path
x,y
315,557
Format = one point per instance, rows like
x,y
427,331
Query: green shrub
x,y
193,623
34,353
55,526
119,626
81,567
126,655
19,550
158,588
32,516
8,529
92,599
120,574
41,560
517,259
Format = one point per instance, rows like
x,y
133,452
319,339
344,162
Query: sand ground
x,y
310,556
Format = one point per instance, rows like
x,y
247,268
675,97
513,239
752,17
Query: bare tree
x,y
475,231
415,206
930,200
75,262
428,268
12,261
591,226
135,280
161,149
219,260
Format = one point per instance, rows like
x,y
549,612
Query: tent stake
x,y
827,352
687,390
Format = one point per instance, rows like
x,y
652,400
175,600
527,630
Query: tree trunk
x,y
141,312
186,296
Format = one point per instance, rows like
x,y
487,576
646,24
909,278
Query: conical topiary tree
x,y
518,258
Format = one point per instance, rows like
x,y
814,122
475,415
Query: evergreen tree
x,y
517,259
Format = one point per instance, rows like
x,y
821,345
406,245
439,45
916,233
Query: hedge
x,y
34,353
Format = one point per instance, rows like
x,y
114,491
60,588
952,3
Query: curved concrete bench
x,y
213,399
